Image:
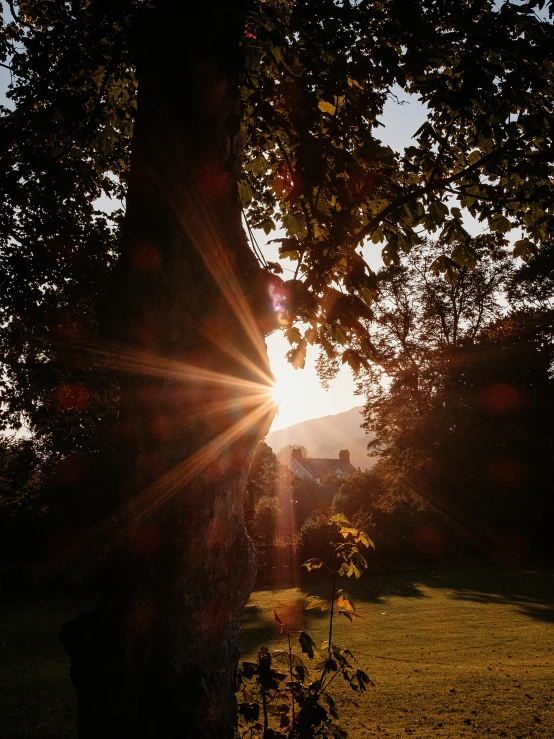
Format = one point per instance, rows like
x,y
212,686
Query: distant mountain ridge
x,y
326,436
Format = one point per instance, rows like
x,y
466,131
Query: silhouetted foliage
x,y
276,103
296,700
266,518
463,424
262,478
311,497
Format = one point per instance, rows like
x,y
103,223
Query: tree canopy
x,y
183,108
315,79
462,425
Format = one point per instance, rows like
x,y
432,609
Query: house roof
x,y
322,467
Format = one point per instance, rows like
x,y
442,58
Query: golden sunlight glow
x,y
246,404
276,394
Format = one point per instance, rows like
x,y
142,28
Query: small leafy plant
x,y
286,693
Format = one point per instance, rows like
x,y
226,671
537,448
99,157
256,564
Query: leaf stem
x,y
330,645
291,679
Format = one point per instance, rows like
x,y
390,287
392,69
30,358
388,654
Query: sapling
x,y
295,702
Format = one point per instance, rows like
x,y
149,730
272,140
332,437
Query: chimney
x,y
296,454
344,455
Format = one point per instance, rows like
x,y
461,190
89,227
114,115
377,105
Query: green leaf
x,y
275,267
345,602
339,335
438,210
294,225
363,677
297,357
354,83
525,249
331,703
282,656
293,255
465,256
353,359
311,335
293,335
257,166
359,561
340,519
363,538
246,193
377,236
307,644
302,672
500,223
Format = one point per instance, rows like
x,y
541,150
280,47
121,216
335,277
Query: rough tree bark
x,y
157,656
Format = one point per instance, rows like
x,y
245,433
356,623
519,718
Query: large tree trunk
x,y
157,657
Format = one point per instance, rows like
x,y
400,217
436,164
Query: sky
x,y
303,396
299,392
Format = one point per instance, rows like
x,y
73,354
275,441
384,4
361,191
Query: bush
x,y
266,518
314,540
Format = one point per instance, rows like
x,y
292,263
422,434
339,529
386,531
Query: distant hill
x,y
325,437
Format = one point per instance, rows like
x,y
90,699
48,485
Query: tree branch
x,y
17,18
370,227
442,149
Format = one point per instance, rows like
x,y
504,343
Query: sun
x,y
280,394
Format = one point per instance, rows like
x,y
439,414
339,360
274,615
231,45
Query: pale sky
x,y
301,394
304,396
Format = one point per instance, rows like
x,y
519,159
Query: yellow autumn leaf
x,y
326,107
345,602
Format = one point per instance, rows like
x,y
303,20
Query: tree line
x,y
133,342
460,408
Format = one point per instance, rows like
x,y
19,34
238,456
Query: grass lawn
x,y
452,654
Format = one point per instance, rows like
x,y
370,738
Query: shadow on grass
x,y
531,592
256,627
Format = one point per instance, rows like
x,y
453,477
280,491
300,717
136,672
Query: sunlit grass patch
x,y
452,654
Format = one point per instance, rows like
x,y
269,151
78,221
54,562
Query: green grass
x,y
452,654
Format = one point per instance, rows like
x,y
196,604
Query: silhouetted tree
x,y
463,423
276,102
